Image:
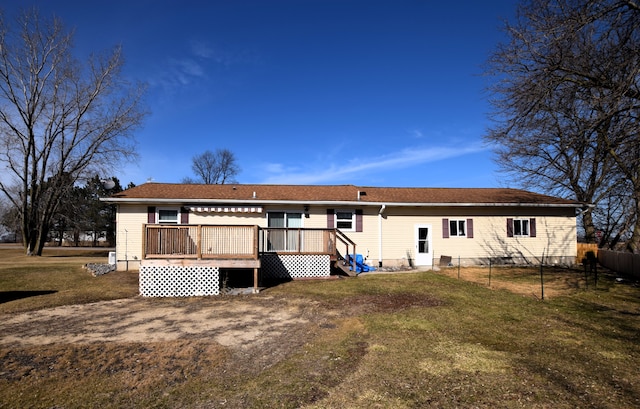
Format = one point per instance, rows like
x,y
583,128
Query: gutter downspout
x,y
380,234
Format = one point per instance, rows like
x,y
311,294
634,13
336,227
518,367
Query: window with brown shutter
x,y
509,227
151,214
358,219
330,219
184,215
445,228
532,227
521,227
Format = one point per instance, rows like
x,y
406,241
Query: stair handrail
x,y
346,241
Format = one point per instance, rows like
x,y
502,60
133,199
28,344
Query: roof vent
x,y
254,195
361,193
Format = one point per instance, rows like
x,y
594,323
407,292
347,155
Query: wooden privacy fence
x,y
583,249
624,263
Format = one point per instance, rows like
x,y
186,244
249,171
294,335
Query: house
x,y
179,236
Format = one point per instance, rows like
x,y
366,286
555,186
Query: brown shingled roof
x,y
336,193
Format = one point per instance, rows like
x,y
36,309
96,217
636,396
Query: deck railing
x,y
214,241
297,240
200,241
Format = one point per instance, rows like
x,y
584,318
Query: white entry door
x,y
423,245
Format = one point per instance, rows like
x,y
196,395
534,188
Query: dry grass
x,y
58,278
377,341
555,281
108,374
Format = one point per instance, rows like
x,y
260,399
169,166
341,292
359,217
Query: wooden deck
x,y
236,247
229,242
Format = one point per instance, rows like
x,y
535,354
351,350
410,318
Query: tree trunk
x,y
34,246
589,228
633,245
42,238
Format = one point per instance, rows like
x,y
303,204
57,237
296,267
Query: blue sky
x,y
373,93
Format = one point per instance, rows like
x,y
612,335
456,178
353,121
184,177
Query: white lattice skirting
x,y
179,281
296,266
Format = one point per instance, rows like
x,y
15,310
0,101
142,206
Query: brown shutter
x,y
358,219
470,228
184,215
509,227
445,228
532,227
151,214
330,221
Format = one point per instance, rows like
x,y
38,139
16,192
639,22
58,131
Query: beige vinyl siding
x,y
367,240
317,218
398,233
555,235
555,239
129,223
232,219
555,232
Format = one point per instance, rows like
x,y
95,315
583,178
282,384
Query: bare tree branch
x,y
211,168
60,121
567,103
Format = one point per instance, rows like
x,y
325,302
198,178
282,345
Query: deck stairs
x,y
340,266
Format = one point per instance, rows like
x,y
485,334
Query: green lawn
x,y
408,340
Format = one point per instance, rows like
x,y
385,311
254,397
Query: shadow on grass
x,y
76,253
6,296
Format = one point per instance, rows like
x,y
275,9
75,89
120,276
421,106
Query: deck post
x,y
255,280
145,228
256,241
199,242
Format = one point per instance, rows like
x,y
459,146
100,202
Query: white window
x,y
168,216
457,228
284,234
521,227
284,219
345,220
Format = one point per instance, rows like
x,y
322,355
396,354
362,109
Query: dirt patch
x,y
148,343
229,322
130,349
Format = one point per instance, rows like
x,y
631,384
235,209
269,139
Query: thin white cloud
x,y
189,67
416,133
177,73
195,65
201,49
341,173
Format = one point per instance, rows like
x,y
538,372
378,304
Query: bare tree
x,y
9,223
214,168
60,121
566,105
